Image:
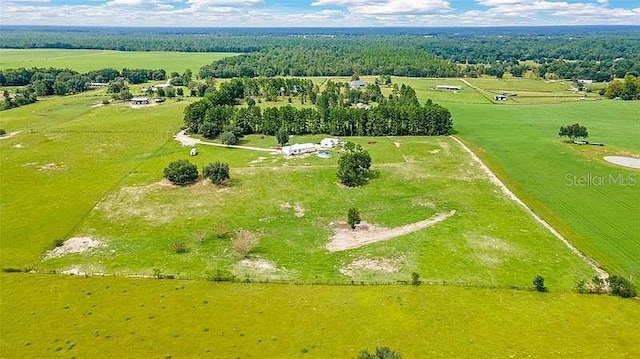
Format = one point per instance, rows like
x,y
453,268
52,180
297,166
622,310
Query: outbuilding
x,y
140,101
299,149
329,142
500,97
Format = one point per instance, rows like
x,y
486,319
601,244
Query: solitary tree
x,y
353,217
181,172
282,136
217,172
354,166
538,283
573,131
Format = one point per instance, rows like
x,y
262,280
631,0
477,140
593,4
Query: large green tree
x,y
354,166
573,131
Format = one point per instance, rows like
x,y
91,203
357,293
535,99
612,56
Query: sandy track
x,y
364,234
185,140
590,261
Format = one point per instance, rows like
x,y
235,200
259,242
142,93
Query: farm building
x,y
299,149
140,101
329,142
357,84
500,97
448,87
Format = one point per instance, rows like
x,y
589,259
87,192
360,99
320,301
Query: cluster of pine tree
x,y
398,115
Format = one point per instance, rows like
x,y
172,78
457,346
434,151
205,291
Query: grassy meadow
x,y
56,316
102,167
87,60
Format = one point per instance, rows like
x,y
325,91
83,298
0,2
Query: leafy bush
x,y
353,217
538,283
228,138
380,353
217,172
244,242
181,172
415,279
622,287
2,132
58,242
573,131
179,247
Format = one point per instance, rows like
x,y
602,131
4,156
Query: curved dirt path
x,y
492,176
346,238
185,140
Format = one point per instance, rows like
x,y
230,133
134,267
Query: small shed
x,y
140,101
193,151
500,97
357,84
299,149
329,142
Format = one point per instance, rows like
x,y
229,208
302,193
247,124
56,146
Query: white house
x,y
140,101
299,149
329,142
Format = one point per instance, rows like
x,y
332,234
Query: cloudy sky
x,y
318,13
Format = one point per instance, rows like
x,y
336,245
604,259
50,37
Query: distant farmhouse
x,y
329,142
449,87
357,84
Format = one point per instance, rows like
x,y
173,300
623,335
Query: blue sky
x,y
314,13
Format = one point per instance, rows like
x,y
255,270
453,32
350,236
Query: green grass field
x,y
51,316
594,203
87,60
80,169
101,167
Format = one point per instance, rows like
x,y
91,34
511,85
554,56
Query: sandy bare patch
x,y
97,105
397,144
297,207
18,145
257,264
10,134
623,161
434,152
50,167
74,245
372,264
143,106
365,233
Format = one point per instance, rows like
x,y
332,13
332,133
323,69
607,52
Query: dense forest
x,y
599,53
398,115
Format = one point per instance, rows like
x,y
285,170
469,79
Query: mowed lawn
x,y
87,60
52,316
595,204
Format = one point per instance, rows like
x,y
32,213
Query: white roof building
x,y
329,142
299,149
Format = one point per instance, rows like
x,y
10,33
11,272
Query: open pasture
x,y
52,316
531,91
98,172
87,60
592,202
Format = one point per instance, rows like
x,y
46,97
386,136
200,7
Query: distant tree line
x,y
52,81
336,60
592,53
399,115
